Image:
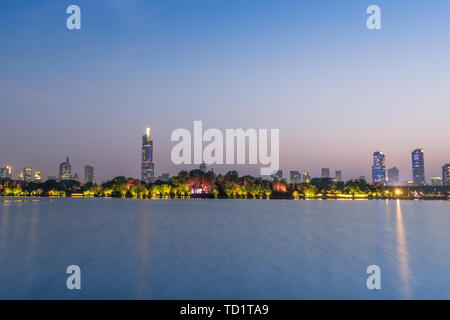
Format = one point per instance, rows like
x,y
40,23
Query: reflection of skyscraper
x,y
65,170
418,167
325,172
446,175
88,174
379,167
393,175
147,166
338,175
5,172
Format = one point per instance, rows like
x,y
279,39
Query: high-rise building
x,y
65,170
379,167
393,176
202,167
418,167
88,174
436,182
295,177
37,176
446,175
306,178
338,175
325,172
27,174
5,172
147,166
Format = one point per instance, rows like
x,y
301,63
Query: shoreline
x,y
36,198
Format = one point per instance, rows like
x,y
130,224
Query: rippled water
x,y
224,249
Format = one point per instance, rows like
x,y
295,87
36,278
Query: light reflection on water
x,y
224,249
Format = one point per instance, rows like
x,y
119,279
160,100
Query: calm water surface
x,y
224,249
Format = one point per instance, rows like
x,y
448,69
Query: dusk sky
x,y
336,90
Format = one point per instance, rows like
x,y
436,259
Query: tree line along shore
x,y
199,184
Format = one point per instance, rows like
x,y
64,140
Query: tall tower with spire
x,y
147,165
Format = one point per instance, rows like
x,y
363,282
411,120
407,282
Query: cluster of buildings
x,y
65,173
26,174
418,171
379,173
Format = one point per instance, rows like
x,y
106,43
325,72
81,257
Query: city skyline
x,y
379,173
180,63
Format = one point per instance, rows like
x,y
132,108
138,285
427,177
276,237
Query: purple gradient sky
x,y
337,91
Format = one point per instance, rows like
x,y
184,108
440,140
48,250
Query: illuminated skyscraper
x,y
37,177
418,167
5,172
27,174
65,170
306,178
446,175
88,174
325,172
147,166
379,167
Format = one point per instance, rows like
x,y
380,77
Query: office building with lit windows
x,y
27,174
379,168
306,178
147,165
65,170
5,172
418,167
446,175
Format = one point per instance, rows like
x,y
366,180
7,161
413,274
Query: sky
x,y
336,90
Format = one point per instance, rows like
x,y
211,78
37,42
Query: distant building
x,y
362,178
306,178
202,167
51,178
325,172
446,175
75,177
436,182
147,165
164,177
393,176
65,170
27,174
5,172
338,175
379,168
37,177
295,177
278,175
418,167
88,174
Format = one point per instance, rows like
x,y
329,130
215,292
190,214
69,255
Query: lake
x,y
224,249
